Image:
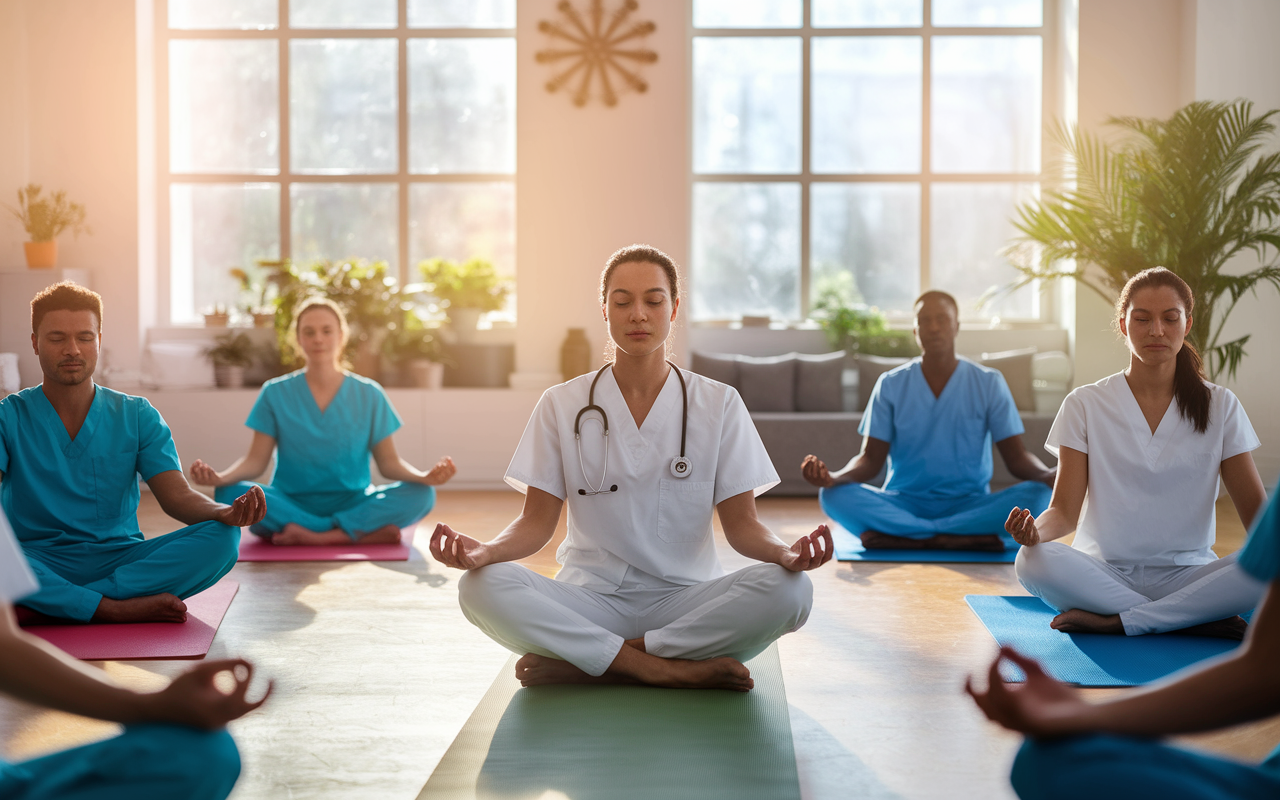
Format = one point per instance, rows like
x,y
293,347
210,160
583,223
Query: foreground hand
x,y
810,552
456,550
248,509
204,475
816,473
1041,707
195,699
441,472
1021,525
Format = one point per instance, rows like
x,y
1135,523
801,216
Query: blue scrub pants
x,y
356,513
155,762
858,507
75,577
1120,768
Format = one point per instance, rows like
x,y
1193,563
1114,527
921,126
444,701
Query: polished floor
x,y
375,671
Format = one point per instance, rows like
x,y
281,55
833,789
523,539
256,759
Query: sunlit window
x,y
878,146
331,129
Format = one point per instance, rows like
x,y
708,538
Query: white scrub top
x,y
16,578
1151,496
655,523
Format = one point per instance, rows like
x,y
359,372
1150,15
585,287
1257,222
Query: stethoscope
x,y
680,466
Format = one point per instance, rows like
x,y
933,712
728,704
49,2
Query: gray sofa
x,y
804,404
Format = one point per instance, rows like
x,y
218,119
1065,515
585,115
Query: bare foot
x,y
1229,628
294,534
535,670
874,540
154,608
635,666
714,673
1075,620
387,534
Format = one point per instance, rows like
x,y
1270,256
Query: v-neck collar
x,y
928,390
74,448
636,439
315,406
1154,442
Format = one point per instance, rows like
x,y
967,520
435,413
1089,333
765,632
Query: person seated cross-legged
x,y
933,419
70,456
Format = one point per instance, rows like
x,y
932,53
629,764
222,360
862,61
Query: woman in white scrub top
x,y
641,597
1140,453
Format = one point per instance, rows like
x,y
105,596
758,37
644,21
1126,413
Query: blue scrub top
x,y
322,453
1261,555
940,446
57,490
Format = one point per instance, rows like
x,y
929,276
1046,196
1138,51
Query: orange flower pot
x,y
41,255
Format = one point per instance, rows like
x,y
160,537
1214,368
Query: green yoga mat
x,y
623,742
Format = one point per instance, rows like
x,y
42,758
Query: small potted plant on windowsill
x,y
260,306
230,354
217,317
416,350
467,290
44,219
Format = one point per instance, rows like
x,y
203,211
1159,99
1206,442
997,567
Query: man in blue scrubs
x,y
934,420
70,456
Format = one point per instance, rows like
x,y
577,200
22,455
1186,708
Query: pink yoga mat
x,y
256,548
137,640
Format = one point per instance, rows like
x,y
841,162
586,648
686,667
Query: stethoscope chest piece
x,y
680,467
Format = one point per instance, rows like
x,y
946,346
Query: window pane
x,y
867,13
234,14
458,221
970,226
871,232
342,105
212,228
747,13
344,220
867,103
988,13
746,250
986,104
462,13
342,13
224,98
746,115
462,105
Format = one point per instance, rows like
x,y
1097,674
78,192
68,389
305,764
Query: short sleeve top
x,y
1261,555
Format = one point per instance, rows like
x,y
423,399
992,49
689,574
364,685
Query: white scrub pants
x,y
738,614
1149,599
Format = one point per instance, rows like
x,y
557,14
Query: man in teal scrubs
x,y
70,456
934,420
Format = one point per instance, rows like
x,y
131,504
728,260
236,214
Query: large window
x,y
877,147
331,129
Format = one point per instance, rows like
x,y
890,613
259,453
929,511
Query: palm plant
x,y
1187,193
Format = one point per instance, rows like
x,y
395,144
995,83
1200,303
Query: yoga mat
x,y
138,640
1087,659
624,742
256,548
849,548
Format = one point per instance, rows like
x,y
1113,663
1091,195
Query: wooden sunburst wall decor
x,y
596,45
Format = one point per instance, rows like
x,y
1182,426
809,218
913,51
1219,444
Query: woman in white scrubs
x,y
1145,448
641,597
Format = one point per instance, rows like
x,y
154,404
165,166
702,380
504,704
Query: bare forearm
x,y
1031,468
191,507
247,468
521,539
401,470
1054,524
860,469
752,539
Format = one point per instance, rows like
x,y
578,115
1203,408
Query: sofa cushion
x,y
716,366
768,384
869,370
818,386
1015,365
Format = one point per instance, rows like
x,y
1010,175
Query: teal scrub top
x,y
940,446
57,490
322,453
1261,555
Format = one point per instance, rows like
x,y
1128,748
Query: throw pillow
x,y
818,382
1015,365
716,366
768,384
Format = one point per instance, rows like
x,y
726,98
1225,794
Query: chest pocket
x,y
684,510
115,479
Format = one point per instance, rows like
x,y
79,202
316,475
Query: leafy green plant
x,y
471,284
411,339
1188,193
45,218
856,328
231,350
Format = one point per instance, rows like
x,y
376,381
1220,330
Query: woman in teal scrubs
x,y
324,423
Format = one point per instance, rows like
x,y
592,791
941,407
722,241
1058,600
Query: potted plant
x,y
231,353
259,307
466,290
217,316
417,351
857,328
44,219
1186,193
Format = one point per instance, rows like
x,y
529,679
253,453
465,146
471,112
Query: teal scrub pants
x,y
858,507
1121,768
155,762
75,577
356,513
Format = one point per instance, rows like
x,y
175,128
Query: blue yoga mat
x,y
1087,659
849,548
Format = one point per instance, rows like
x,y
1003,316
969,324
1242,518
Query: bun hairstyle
x,y
644,254
1189,388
